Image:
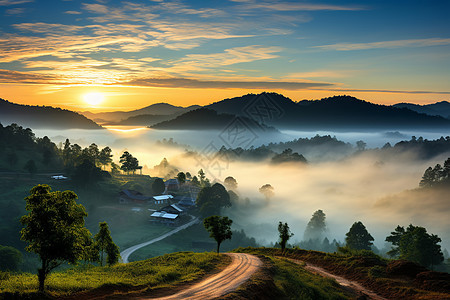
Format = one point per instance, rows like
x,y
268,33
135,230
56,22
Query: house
x,y
162,199
131,196
185,202
169,215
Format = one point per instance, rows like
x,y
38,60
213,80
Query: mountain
x,y
338,112
43,117
146,120
435,109
208,119
157,109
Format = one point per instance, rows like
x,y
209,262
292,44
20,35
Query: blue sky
x,y
306,49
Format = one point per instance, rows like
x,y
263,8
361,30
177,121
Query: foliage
x,y
10,258
358,237
30,166
437,175
316,226
158,186
181,177
128,162
54,228
211,200
415,244
219,228
105,245
230,183
87,174
288,156
105,156
284,233
267,190
204,182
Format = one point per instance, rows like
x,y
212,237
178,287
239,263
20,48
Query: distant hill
x,y
146,120
338,112
436,109
158,109
43,117
207,119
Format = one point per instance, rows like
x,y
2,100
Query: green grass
x,y
161,271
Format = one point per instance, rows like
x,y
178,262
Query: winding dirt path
x,y
353,286
125,254
242,267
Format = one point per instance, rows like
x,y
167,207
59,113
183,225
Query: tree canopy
x,y
158,186
437,175
316,226
211,200
219,228
105,245
230,183
128,162
54,228
358,237
415,244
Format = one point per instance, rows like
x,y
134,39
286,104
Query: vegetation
x,y
439,175
158,186
54,228
10,258
230,183
219,228
105,245
415,244
267,190
128,162
211,200
358,237
316,226
284,233
141,276
288,156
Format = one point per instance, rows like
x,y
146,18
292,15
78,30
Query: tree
x,y
212,199
105,156
129,162
285,234
358,237
30,166
361,145
204,182
105,245
54,228
316,226
181,177
195,181
10,258
416,245
230,183
158,186
267,190
219,228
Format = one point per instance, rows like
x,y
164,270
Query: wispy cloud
x,y
195,83
289,6
8,76
387,44
13,2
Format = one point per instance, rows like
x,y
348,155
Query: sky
x,y
122,55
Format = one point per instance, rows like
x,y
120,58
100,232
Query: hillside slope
x,y
43,117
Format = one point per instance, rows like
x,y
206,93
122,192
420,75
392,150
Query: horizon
x,y
117,55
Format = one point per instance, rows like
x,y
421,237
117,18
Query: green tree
x,y
105,245
128,162
284,233
219,228
211,200
416,245
316,226
204,182
181,177
10,258
105,156
195,181
158,186
54,228
358,237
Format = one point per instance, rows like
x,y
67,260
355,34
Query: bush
x,y
10,258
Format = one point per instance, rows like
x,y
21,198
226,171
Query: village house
x,y
162,199
169,215
131,196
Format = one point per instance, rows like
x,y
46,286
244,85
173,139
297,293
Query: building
x,y
169,215
131,196
162,199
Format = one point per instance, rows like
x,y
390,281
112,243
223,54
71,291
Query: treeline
x,y
437,176
424,148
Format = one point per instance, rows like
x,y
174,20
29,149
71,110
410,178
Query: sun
x,y
93,99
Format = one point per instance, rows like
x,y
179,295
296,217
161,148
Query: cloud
x,y
196,84
392,91
386,44
8,76
72,12
288,6
13,2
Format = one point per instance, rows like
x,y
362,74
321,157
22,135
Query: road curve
x,y
125,254
239,271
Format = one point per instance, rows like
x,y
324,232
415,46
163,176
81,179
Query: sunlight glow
x,y
93,99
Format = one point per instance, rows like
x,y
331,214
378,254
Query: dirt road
x,y
125,254
353,286
241,268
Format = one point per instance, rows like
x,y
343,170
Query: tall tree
x,y
416,245
105,156
105,245
211,200
219,228
181,177
54,228
284,233
128,162
358,237
158,186
316,226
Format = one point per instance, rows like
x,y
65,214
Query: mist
x,y
368,187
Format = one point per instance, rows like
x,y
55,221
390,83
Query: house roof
x,y
177,207
163,197
134,195
164,215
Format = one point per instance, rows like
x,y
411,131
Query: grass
x,y
162,271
